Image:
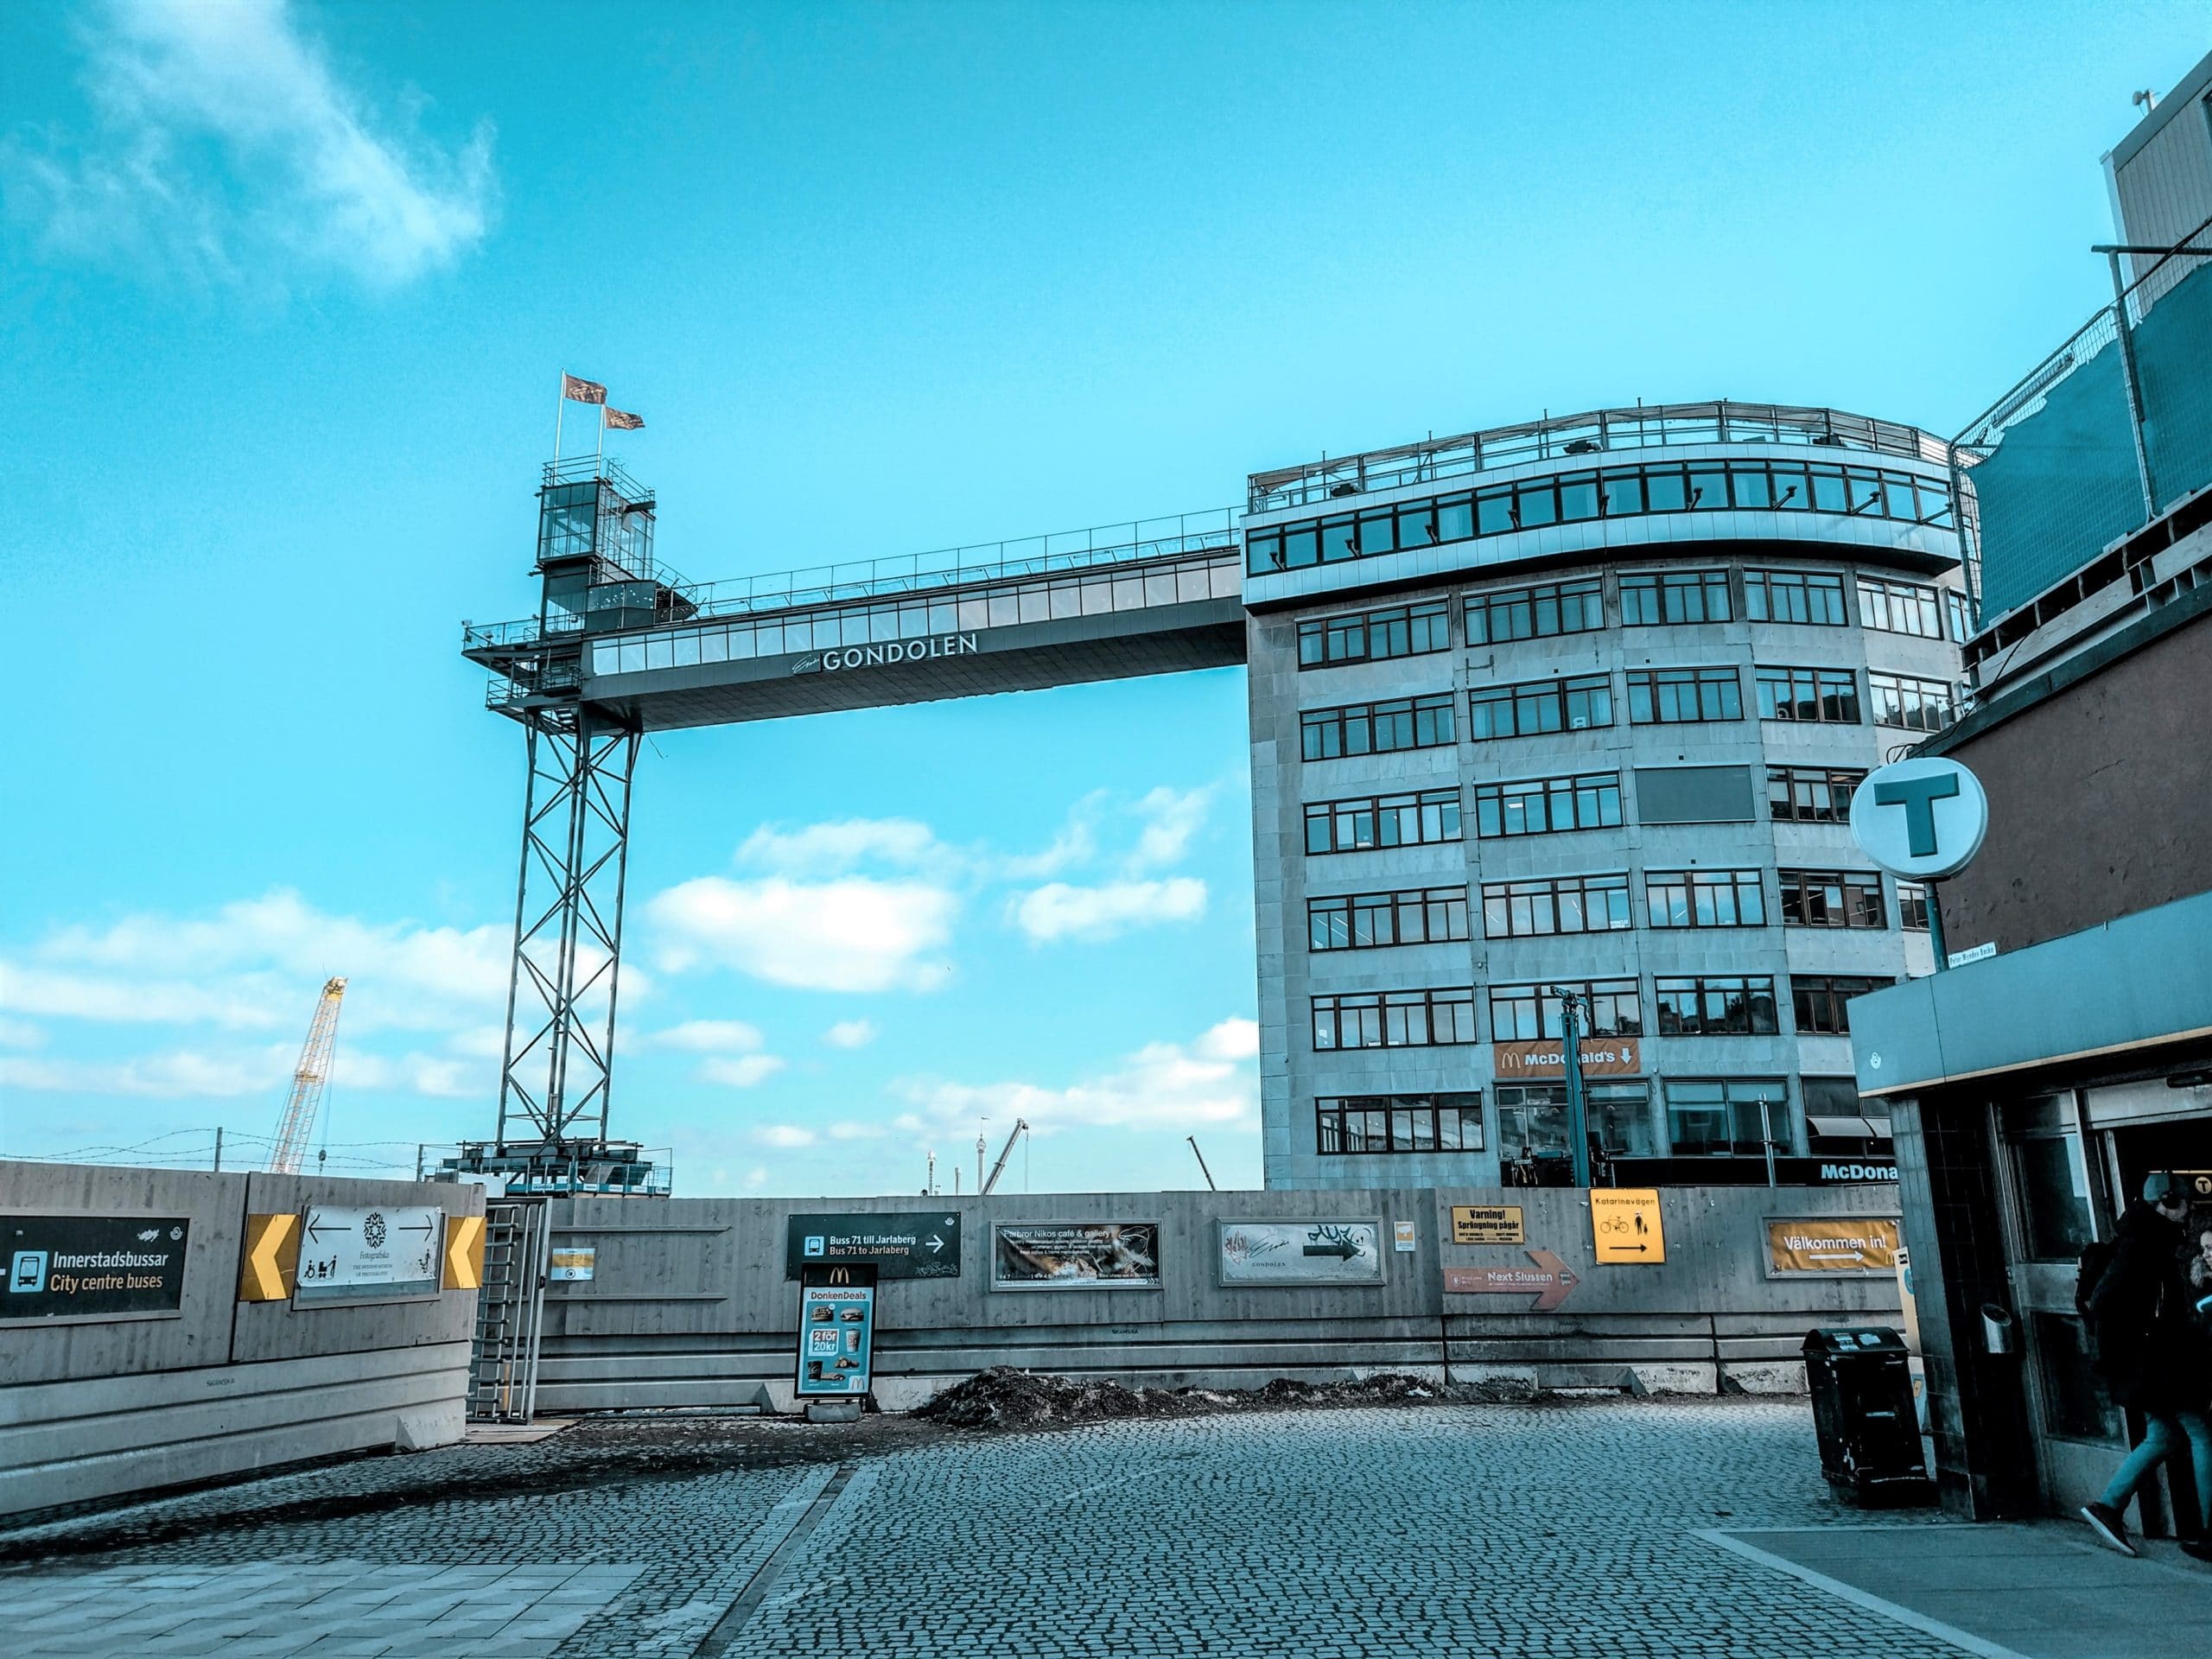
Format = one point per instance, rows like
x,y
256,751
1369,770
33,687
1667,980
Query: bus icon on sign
x,y
815,1245
28,1271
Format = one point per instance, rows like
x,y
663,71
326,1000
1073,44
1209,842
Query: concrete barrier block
x,y
440,1425
1776,1376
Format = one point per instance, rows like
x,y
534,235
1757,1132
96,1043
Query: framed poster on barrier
x,y
1324,1251
1075,1255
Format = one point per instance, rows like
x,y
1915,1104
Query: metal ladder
x,y
510,1314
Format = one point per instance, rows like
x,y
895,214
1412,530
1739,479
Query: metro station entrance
x,y
2071,1162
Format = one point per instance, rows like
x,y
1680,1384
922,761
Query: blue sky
x,y
284,290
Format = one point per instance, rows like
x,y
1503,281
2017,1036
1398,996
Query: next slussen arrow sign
x,y
1551,1280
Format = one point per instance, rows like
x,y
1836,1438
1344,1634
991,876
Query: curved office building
x,y
1582,703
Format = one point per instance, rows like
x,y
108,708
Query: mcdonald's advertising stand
x,y
837,1340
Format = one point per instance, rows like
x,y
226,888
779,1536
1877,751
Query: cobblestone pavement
x,y
1548,1531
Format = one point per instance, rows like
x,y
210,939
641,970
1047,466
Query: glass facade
x,y
1610,493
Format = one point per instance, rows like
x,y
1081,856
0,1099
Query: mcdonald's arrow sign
x,y
1551,1280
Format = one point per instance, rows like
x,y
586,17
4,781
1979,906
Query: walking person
x,y
2153,1355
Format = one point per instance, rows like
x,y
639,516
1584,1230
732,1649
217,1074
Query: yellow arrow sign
x,y
271,1257
464,1252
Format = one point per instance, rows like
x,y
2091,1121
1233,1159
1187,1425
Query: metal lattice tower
x,y
561,997
308,1078
595,556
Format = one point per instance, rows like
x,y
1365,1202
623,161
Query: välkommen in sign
x,y
1624,1224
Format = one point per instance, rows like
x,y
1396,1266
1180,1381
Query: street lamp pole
x,y
1577,1112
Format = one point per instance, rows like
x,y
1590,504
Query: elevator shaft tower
x,y
597,574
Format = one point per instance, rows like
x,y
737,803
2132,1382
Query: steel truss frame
x,y
557,1069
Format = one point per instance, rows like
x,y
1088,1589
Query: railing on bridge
x,y
1061,552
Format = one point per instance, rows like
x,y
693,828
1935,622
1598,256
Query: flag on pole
x,y
619,420
581,391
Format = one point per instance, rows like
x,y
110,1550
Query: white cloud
x,y
1232,1039
846,1033
842,846
226,145
742,1072
1171,818
785,1136
1212,1080
258,965
180,1073
857,1131
21,1033
1057,911
756,1178
852,934
709,1036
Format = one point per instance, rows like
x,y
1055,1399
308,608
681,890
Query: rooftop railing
x,y
1593,433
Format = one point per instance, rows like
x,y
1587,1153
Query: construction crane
x,y
1201,1157
1020,1128
307,1079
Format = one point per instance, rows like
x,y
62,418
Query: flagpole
x,y
602,432
560,409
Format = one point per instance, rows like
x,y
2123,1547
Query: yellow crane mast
x,y
307,1079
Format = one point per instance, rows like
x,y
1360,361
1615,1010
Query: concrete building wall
x,y
2096,804
689,1304
1294,1075
92,1407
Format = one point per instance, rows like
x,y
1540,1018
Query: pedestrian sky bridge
x,y
648,651
622,645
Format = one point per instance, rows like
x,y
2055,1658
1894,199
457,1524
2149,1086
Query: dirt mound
x,y
1002,1397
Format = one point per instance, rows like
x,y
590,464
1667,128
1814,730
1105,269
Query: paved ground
x,y
1621,1528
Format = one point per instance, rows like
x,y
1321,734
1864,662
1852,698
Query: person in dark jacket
x,y
2152,1355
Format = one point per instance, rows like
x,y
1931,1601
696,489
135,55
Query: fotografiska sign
x,y
888,653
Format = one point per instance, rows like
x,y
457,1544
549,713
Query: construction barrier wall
x,y
95,1406
689,1302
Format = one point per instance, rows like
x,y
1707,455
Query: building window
x,y
1831,898
1794,596
1683,696
1570,705
1511,614
1539,806
1377,728
1357,1125
1502,510
1532,1126
1657,596
1820,1001
1912,908
1722,1116
1376,636
1566,904
1960,618
1704,898
1918,705
1426,1019
1899,607
1812,694
1525,1013
1812,794
1710,1004
1366,921
1357,826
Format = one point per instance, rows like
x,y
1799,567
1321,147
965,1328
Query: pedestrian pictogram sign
x,y
1624,1224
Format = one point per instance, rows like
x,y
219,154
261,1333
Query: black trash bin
x,y
1863,1413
